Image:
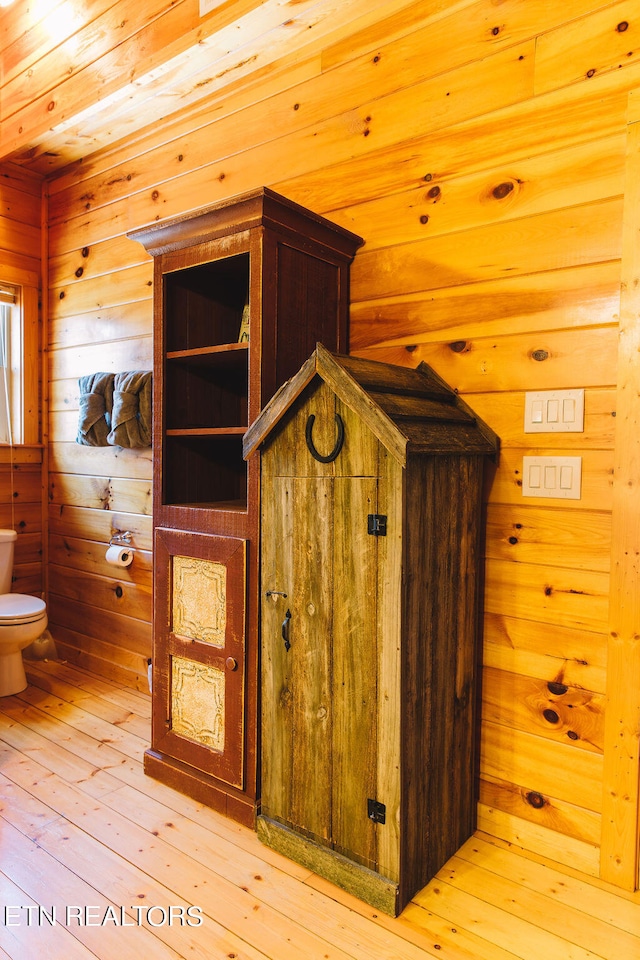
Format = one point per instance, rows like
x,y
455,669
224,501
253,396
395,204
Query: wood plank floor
x,y
83,829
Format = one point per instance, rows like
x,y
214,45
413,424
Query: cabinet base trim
x,y
374,889
193,783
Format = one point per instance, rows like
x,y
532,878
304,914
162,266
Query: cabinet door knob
x,y
231,663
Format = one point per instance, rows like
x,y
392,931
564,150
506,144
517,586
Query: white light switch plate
x,y
552,477
554,411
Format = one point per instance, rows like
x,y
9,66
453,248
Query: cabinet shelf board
x,y
207,432
218,351
232,506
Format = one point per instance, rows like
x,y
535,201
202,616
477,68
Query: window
x,y
19,364
8,300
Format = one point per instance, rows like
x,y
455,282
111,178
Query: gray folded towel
x,y
131,416
95,405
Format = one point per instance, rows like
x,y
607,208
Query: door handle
x,y
285,630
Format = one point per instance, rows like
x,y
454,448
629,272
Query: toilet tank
x,y
7,541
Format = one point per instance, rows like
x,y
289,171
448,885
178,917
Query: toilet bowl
x,y
23,619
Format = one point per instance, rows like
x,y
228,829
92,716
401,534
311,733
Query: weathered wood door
x,y
321,650
200,612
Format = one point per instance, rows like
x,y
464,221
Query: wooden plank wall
x,y
21,480
480,151
622,714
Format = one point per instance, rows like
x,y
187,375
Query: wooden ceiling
x,y
78,75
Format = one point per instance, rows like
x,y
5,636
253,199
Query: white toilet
x,y
23,619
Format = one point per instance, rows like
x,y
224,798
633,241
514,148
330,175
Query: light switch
x,y
537,415
566,478
552,477
569,410
206,6
554,411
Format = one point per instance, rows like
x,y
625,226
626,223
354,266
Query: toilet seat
x,y
18,608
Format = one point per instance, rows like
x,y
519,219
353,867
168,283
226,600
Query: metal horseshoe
x,y
330,457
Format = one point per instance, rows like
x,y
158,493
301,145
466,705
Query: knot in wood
x,y
539,355
502,190
536,800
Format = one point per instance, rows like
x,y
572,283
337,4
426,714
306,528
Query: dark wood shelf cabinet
x,y
243,290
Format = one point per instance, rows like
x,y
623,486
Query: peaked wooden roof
x,y
408,410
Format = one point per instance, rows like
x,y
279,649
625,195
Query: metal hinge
x,y
376,811
377,524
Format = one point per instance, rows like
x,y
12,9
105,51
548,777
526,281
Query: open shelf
x,y
204,469
206,390
206,383
204,304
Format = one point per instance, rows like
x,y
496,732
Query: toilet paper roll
x,y
119,556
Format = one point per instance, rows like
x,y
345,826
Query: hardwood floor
x,y
82,829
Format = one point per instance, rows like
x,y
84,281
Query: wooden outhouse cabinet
x,y
370,521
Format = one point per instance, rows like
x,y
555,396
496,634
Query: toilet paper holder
x,y
120,552
119,537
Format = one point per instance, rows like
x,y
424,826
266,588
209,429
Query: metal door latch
x,y
376,811
377,524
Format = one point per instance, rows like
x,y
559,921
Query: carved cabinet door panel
x,y
199,672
